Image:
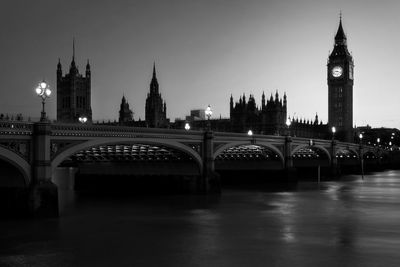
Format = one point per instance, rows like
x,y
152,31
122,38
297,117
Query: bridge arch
x,y
17,161
347,151
323,149
370,154
355,152
99,142
240,143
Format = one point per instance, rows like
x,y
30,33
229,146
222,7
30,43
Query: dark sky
x,y
204,51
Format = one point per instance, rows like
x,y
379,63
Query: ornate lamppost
x,y
334,161
361,156
43,91
250,134
288,123
187,126
208,113
82,119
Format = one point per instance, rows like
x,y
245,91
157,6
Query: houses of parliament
x,y
74,101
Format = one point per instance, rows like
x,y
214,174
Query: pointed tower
x,y
73,93
231,105
263,101
154,82
316,119
88,69
340,87
72,68
125,113
284,100
156,108
59,69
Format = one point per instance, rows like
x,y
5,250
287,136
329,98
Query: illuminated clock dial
x,y
337,71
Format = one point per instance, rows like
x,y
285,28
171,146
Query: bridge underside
x,y
248,157
10,176
137,168
137,159
310,156
13,190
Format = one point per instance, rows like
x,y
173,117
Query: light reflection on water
x,y
351,222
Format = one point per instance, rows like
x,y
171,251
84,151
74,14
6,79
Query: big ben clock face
x,y
337,71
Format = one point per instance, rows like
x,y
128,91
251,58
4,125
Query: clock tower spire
x,y
340,87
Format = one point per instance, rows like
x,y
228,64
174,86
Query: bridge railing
x,y
72,129
261,137
15,128
58,129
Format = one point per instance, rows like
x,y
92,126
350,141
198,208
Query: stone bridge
x,y
36,150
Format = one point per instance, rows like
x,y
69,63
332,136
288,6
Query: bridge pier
x,y
210,180
43,193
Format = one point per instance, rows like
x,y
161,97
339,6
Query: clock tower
x,y
340,88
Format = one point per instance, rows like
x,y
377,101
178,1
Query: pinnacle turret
x,y
340,38
59,68
154,70
154,82
73,68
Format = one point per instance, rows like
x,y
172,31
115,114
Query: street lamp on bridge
x,y
208,113
361,156
82,119
288,123
333,132
43,91
187,126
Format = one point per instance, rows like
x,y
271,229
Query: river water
x,y
351,222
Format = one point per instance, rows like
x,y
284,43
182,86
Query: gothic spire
x,y
73,49
59,69
88,68
340,37
284,99
154,70
154,82
73,65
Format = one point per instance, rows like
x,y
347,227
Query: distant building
x,y
125,113
196,115
270,118
340,87
156,109
382,137
73,93
309,128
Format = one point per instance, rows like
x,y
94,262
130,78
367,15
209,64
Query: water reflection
x,y
342,223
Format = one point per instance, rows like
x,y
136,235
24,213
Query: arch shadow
x,y
259,143
100,142
323,149
17,161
